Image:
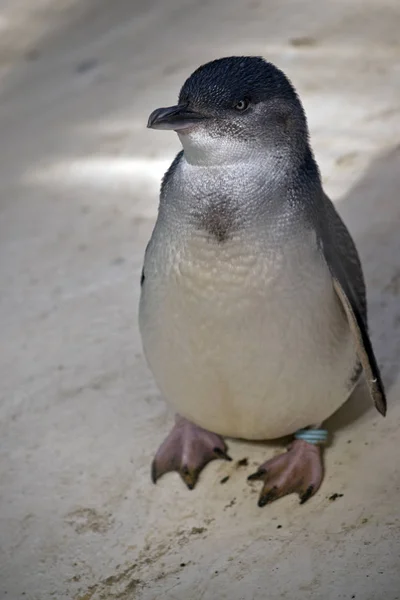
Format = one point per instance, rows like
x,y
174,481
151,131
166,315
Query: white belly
x,y
246,344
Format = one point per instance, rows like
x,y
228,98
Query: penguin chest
x,y
245,340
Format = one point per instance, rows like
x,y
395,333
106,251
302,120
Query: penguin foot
x,y
299,471
187,450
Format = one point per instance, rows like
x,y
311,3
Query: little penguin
x,y
253,312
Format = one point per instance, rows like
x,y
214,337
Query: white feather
x,y
245,340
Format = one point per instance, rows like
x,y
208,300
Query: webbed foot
x,y
187,450
298,471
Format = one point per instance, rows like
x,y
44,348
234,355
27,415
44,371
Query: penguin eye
x,y
242,105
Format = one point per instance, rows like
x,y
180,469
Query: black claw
x,y
221,454
307,494
188,476
257,475
268,497
153,472
189,480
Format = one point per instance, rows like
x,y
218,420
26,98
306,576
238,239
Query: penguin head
x,y
232,109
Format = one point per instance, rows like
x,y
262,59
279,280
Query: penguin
x,y
253,310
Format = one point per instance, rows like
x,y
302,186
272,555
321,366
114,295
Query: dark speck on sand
x,y
335,496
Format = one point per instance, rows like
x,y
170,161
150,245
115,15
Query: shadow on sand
x,y
371,210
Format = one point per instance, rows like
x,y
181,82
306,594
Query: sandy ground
x,y
80,416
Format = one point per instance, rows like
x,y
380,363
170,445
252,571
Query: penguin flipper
x,y
365,351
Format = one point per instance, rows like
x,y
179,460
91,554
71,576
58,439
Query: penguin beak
x,y
174,117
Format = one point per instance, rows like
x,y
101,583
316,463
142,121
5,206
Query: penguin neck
x,y
278,173
275,155
243,195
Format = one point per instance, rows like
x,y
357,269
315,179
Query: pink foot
x,y
299,471
187,450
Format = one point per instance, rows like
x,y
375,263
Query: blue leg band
x,y
312,436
